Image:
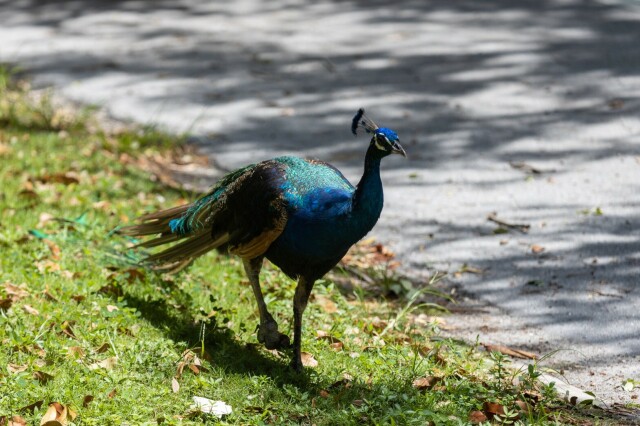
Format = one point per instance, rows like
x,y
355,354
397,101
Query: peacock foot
x,y
296,365
269,335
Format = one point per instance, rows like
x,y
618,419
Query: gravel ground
x,y
527,109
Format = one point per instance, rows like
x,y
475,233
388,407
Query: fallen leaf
x,y
5,304
50,297
324,393
175,386
30,310
32,407
15,368
425,383
326,304
336,346
492,409
47,266
14,292
535,248
107,364
67,328
76,351
57,415
524,228
53,248
323,335
523,406
112,394
86,400
517,353
4,149
103,348
16,421
43,219
308,360
357,402
42,377
477,417
207,406
111,308
64,178
28,194
78,298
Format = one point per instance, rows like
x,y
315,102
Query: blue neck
x,y
368,197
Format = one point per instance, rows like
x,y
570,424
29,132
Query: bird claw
x,y
296,365
269,335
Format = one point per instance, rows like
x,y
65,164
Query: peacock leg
x,y
300,299
268,329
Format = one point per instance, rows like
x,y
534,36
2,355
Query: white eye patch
x,y
379,145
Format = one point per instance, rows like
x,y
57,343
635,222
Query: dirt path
x,y
471,87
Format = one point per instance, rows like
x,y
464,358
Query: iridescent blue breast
x,y
311,185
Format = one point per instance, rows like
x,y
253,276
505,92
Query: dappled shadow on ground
x,y
470,86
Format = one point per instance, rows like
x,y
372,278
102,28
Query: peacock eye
x,y
382,143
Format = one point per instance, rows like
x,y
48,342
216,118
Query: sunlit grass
x,y
81,324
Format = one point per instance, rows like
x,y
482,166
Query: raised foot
x,y
269,335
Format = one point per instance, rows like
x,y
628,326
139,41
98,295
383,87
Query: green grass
x,y
91,330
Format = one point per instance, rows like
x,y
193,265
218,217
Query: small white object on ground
x,y
207,406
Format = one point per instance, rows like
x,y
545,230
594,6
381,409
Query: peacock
x,y
302,215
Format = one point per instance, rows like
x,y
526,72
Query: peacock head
x,y
385,140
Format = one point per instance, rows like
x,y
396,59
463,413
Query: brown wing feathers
x,y
247,217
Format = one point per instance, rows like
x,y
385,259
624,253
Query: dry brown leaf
x,y
66,178
112,394
4,149
15,292
28,194
326,304
103,348
15,368
57,415
337,346
492,409
476,417
30,310
536,249
42,377
308,360
78,297
323,335
516,353
107,364
50,297
5,304
425,383
53,248
324,393
357,402
15,421
67,328
175,386
47,266
86,400
76,351
43,219
32,407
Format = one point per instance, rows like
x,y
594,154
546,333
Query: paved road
x,y
470,87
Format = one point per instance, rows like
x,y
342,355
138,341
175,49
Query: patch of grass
x,y
82,325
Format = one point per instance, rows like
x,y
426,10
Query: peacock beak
x,y
398,149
